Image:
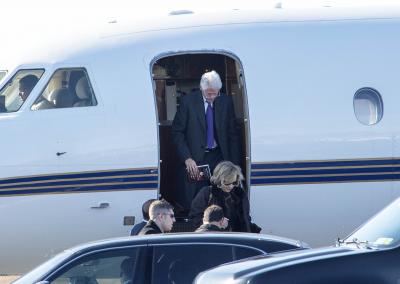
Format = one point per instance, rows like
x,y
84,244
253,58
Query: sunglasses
x,y
235,183
170,215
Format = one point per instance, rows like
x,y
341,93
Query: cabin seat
x,y
82,91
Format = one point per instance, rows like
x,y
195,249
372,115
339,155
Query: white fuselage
x,y
301,73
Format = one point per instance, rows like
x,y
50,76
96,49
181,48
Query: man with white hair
x,y
205,133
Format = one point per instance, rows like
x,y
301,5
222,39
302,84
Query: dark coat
x,y
189,128
138,227
150,228
211,195
208,228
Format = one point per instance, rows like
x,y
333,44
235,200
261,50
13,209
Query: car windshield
x,y
35,274
381,231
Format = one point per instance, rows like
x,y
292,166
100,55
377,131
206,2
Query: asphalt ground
x,y
7,279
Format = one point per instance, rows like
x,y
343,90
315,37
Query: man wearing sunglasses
x,y
162,218
205,133
145,212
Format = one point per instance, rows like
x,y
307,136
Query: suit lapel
x,y
200,110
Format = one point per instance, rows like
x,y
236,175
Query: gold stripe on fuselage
x,y
77,185
320,182
322,175
75,191
84,172
76,179
322,168
326,161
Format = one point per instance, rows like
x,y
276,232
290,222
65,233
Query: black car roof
x,y
181,238
259,264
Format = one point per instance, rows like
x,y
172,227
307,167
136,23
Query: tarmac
x,y
7,279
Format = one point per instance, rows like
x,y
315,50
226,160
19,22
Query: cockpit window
x,y
67,88
2,74
382,231
15,92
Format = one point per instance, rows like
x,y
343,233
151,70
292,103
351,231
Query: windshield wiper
x,y
355,241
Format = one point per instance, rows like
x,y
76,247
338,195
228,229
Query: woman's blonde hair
x,y
226,171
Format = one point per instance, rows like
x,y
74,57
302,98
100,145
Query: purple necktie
x,y
210,126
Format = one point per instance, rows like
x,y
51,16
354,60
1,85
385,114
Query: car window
x,y
67,88
245,252
17,89
109,267
179,264
275,246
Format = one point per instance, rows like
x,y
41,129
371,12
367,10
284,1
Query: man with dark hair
x,y
162,218
145,212
213,220
26,84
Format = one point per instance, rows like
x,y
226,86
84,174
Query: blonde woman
x,y
225,191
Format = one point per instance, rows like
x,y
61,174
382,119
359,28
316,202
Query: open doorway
x,y
177,75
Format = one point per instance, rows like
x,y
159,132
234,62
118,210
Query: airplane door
x,y
177,75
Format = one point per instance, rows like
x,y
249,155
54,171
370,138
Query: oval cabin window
x,y
368,106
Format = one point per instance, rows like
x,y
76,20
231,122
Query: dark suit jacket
x,y
189,128
211,195
138,227
150,228
208,228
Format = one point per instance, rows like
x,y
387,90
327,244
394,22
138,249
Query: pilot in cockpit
x,y
26,85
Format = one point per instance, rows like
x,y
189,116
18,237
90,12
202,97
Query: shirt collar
x,y
205,101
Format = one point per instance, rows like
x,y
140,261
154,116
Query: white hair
x,y
210,80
